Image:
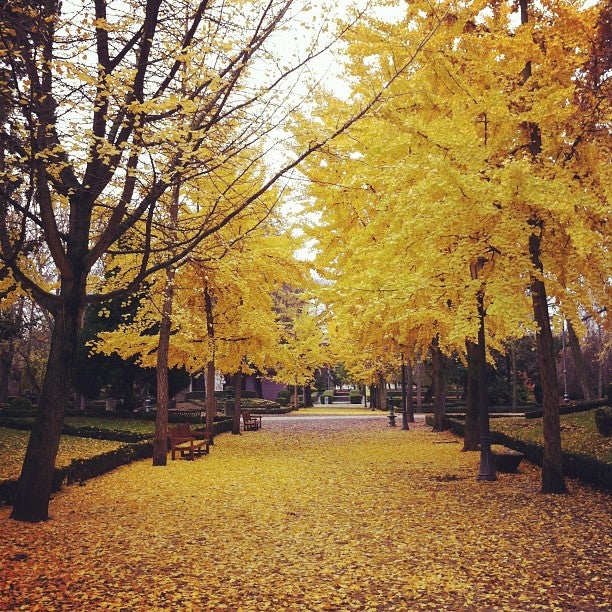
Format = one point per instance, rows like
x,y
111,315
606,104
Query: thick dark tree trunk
x,y
308,396
211,406
439,387
237,402
487,464
552,466
419,386
409,397
381,388
470,436
373,397
582,371
36,480
405,397
514,379
160,440
6,363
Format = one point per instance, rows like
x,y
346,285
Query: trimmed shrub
x,y
284,397
19,407
603,420
570,408
261,406
329,394
194,395
355,396
22,404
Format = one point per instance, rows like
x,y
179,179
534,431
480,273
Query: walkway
x,y
313,514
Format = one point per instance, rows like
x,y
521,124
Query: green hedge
x,y
81,470
355,396
195,395
262,406
603,420
570,408
575,465
284,397
249,395
329,394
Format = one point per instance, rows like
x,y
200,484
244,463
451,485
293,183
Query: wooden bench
x,y
187,442
250,421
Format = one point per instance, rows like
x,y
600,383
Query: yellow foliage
x,y
440,175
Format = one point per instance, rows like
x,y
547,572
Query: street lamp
x,y
487,465
391,415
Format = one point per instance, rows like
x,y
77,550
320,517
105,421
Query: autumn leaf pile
x,y
313,514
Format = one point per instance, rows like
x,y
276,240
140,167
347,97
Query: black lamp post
x,y
487,464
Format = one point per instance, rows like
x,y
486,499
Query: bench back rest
x,y
180,431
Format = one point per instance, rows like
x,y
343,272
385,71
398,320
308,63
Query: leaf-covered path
x,y
313,514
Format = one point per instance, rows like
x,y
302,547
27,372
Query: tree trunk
x,y
404,397
6,363
582,371
470,435
409,398
308,396
487,464
419,387
373,397
237,402
381,399
439,386
160,440
211,407
552,466
36,481
514,377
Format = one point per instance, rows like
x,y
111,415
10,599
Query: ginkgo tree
x,y
302,347
488,149
226,313
107,106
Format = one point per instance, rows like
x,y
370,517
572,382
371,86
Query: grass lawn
x,y
13,446
139,426
578,433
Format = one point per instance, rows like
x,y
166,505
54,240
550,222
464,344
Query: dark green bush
x,y
19,407
329,394
261,406
603,420
284,397
355,396
21,404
